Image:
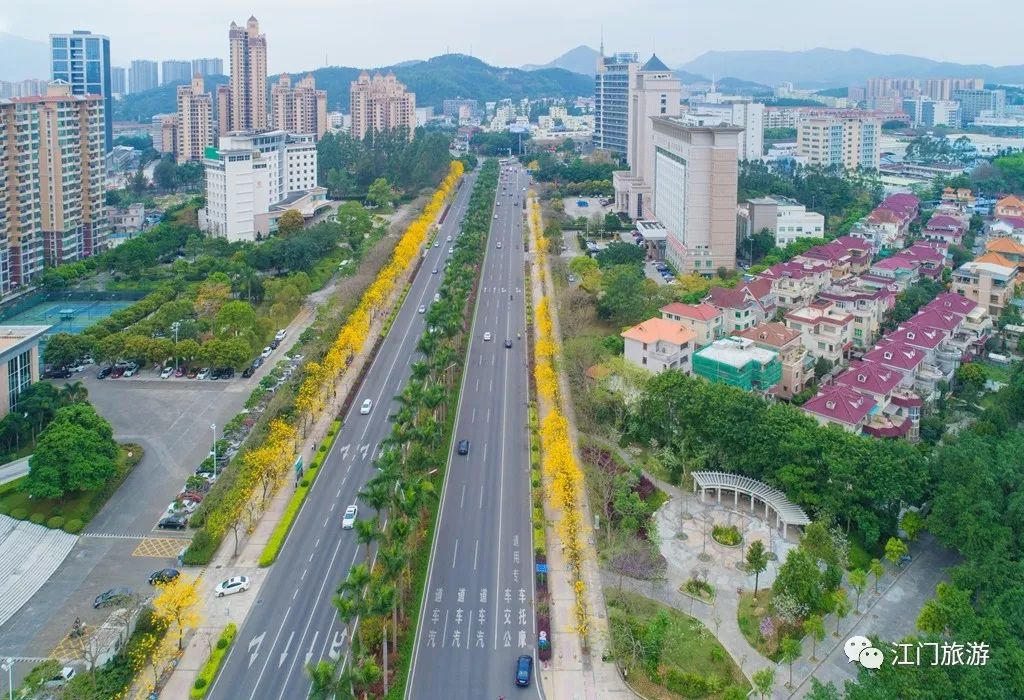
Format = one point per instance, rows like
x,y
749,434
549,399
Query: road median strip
x,y
209,671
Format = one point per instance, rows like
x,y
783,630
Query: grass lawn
x,y
996,373
81,507
693,663
749,615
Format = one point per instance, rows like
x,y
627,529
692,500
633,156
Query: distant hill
x,y
441,77
823,68
141,106
728,85
582,60
22,58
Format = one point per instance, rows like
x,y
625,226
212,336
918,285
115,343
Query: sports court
x,y
64,316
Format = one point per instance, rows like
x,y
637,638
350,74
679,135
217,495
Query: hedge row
x,y
212,666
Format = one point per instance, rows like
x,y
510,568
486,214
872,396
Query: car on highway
x,y
437,244
448,240
163,576
524,668
111,596
281,335
235,584
365,408
173,522
204,373
495,216
499,244
104,372
422,309
497,204
463,447
348,520
434,272
167,372
487,336
267,351
508,342
248,372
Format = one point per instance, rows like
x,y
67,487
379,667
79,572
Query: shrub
x,y
726,534
56,522
304,483
209,670
200,681
201,550
689,685
37,518
19,513
74,526
539,545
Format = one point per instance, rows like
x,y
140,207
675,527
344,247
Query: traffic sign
x,y
542,568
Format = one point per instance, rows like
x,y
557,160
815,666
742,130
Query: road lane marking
x,y
295,594
455,554
462,501
259,678
476,551
303,577
284,654
332,505
255,642
444,633
309,654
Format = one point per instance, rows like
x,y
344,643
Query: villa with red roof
x,y
840,405
658,344
867,305
928,257
796,283
845,256
824,330
899,270
703,319
899,413
1010,205
910,362
743,307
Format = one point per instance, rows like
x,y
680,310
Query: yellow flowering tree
x,y
178,604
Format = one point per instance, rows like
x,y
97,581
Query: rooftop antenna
x,y
602,41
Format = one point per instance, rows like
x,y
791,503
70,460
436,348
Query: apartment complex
x,y
652,92
24,88
249,174
195,121
118,80
82,60
208,66
924,111
143,75
381,103
611,101
247,95
298,108
933,88
991,284
175,72
980,102
51,176
850,142
695,181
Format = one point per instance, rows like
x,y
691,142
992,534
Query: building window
x,y
19,376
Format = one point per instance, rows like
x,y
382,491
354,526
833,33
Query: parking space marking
x,y
160,547
71,648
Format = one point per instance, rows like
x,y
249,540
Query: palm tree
x,y
382,603
366,532
324,685
420,370
350,600
364,675
73,393
376,494
393,560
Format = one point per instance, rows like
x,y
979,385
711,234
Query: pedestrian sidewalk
x,y
14,470
573,674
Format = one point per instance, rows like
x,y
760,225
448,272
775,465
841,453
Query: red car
x,y
118,372
180,372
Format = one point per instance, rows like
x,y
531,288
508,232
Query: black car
x,y
463,447
248,372
112,596
274,344
508,342
173,522
227,372
61,373
524,667
163,576
104,372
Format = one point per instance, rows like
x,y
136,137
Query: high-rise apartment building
x,y
248,97
143,75
653,92
298,108
23,88
82,60
222,109
249,174
924,111
381,103
118,80
747,115
695,184
51,180
611,101
207,66
195,121
847,141
974,102
175,72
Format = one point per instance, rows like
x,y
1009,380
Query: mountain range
x,y
433,81
22,58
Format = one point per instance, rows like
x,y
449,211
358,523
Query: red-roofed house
x,y
761,291
840,405
824,330
910,362
658,344
703,319
929,259
797,365
899,412
867,306
845,256
976,324
740,310
903,202
901,271
1010,205
796,283
945,229
932,342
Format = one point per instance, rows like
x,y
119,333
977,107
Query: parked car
x,y
130,372
180,372
204,373
348,520
104,372
226,373
463,447
193,372
365,408
117,372
59,373
62,678
168,371
235,584
281,335
266,352
437,297
248,372
163,576
524,668
111,596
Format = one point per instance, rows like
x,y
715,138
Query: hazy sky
x,y
301,33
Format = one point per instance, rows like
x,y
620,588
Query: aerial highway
x,y
478,615
293,622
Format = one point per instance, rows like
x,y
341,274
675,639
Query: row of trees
x,y
408,473
348,166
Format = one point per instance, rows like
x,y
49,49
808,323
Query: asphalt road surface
x,y
293,623
478,615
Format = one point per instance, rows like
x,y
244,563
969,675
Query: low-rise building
x,y
124,219
845,256
911,363
20,362
986,283
900,272
786,218
1010,205
867,305
826,332
840,405
1007,247
928,259
703,319
944,228
740,308
797,365
796,284
658,344
738,362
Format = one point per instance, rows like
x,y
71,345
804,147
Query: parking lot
x,y
593,206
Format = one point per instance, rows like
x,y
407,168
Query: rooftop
x,y
655,329
1004,244
698,312
774,334
736,352
841,404
870,376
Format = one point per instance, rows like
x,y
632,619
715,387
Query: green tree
x,y
877,570
764,681
291,222
790,651
235,318
612,223
950,609
895,548
165,174
840,606
76,452
912,523
859,580
356,222
757,561
971,376
814,626
379,194
619,253
800,578
624,299
63,349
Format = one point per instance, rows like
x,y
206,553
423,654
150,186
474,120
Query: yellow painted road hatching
x,y
161,547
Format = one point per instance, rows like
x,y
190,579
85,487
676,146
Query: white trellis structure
x,y
786,512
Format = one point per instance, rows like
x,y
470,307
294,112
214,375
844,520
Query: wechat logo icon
x,y
859,649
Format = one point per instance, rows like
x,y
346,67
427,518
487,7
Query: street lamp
x,y
174,327
8,665
213,427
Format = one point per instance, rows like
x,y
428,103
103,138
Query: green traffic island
x,y
665,654
211,668
727,535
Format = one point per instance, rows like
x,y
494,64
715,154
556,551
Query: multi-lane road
x,y
478,615
293,621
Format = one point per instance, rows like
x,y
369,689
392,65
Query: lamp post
x,y
174,327
8,665
213,427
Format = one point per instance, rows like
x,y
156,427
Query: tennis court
x,y
64,316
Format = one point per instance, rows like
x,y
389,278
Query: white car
x,y
281,335
204,373
487,336
449,239
168,371
497,204
235,584
450,251
365,408
495,216
437,243
348,520
62,678
423,309
130,372
437,296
